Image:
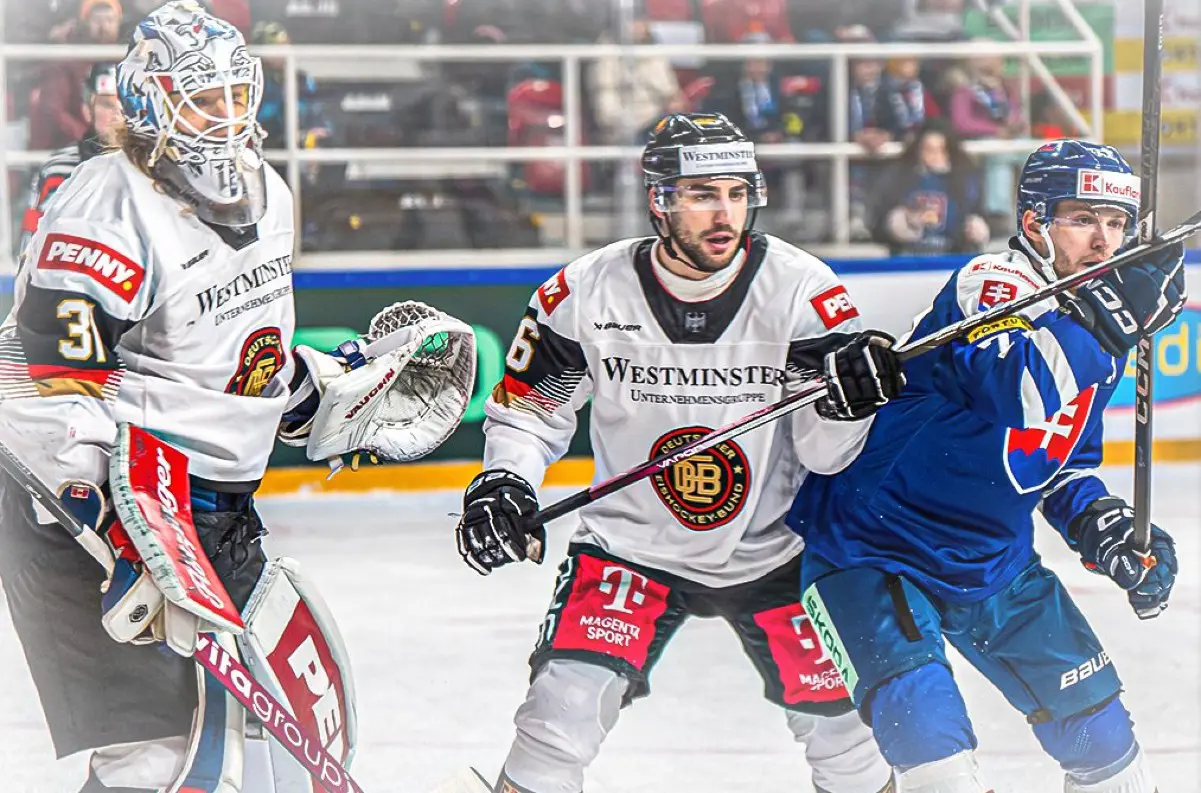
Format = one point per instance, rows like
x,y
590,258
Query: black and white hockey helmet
x,y
685,145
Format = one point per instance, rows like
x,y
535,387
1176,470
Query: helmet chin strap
x,y
1045,263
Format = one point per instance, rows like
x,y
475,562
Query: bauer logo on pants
x,y
706,490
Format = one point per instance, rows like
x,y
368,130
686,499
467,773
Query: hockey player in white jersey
x,y
157,292
670,336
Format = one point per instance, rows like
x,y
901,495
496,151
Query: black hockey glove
x,y
863,374
1103,534
494,529
1140,298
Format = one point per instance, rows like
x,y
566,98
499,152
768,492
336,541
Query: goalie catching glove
x,y
396,395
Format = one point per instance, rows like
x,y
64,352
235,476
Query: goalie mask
x,y
189,86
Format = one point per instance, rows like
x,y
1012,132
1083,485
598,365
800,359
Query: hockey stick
x,y
1149,175
815,390
223,665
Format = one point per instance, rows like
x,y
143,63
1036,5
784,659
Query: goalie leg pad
x,y
569,710
292,646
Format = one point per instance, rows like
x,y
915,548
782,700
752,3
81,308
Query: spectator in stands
x,y
983,107
928,202
750,97
870,121
905,96
102,111
55,118
630,94
932,20
731,21
1049,121
313,126
832,20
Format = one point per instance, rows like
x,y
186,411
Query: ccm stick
x,y
815,390
1149,172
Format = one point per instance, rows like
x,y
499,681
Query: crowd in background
x,y
933,198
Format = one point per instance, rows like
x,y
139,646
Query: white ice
x,y
440,664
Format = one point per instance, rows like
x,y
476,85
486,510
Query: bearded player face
x,y
705,218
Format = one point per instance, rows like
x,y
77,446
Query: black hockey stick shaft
x,y
1144,376
815,390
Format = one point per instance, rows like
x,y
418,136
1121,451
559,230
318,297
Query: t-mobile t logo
x,y
630,588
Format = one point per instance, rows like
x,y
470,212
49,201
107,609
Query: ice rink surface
x,y
440,663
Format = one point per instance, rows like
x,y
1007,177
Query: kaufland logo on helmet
x,y
715,158
1123,188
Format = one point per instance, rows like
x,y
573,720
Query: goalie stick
x,y
1149,173
214,656
813,391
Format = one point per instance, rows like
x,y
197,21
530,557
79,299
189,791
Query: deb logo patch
x,y
994,293
110,269
1034,455
834,306
553,292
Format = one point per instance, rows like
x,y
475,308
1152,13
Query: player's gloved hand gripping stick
x,y
817,389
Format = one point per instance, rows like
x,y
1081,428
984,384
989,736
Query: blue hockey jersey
x,y
988,429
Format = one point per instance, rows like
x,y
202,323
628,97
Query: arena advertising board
x,y
888,300
330,313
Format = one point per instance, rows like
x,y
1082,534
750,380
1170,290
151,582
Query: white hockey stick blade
x,y
466,780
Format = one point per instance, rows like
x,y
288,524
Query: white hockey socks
x,y
955,774
1134,778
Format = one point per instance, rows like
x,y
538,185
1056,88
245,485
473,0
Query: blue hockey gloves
x,y
1103,534
494,529
1141,298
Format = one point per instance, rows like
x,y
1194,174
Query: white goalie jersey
x,y
129,308
660,372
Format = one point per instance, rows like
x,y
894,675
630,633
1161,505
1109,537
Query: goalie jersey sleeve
x,y
83,289
661,372
988,429
128,308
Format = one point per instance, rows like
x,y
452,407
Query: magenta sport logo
x,y
1177,364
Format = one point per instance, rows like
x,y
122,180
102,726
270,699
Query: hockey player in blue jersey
x,y
929,533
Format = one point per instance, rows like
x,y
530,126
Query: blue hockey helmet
x,y
1080,171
